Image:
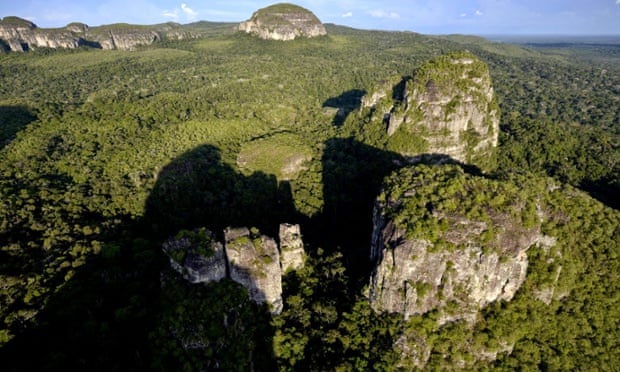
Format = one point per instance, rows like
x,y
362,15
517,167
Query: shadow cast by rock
x,y
115,313
344,104
12,120
197,189
352,177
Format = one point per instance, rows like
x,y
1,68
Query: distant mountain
x,y
20,35
283,22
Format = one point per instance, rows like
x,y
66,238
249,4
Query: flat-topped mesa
x,y
20,35
283,22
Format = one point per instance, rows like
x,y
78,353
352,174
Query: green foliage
x,y
283,155
322,328
105,154
206,327
571,288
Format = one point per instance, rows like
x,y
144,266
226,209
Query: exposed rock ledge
x,y
20,35
434,255
248,258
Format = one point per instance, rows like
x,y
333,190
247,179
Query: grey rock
x,y
197,268
447,108
458,273
283,22
254,262
292,255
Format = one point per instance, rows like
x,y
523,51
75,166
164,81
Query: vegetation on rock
x,y
104,155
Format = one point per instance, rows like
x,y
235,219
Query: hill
x,y
21,35
283,22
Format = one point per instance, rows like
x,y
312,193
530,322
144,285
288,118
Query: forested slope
x,y
105,154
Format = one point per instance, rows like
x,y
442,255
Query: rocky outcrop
x,y
292,254
247,257
411,278
197,256
447,108
254,262
448,255
283,22
125,38
21,35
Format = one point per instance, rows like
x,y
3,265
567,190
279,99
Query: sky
x,y
474,17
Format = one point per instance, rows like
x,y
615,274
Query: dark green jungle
x,y
105,154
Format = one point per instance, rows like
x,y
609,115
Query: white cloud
x,y
462,15
378,13
174,14
618,2
479,13
350,14
189,12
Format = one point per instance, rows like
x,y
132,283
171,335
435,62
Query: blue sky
x,y
479,17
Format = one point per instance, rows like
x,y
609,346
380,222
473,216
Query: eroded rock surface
x,y
199,260
254,262
447,254
292,255
283,22
246,257
21,35
447,108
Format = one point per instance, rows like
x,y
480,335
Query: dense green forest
x,y
105,154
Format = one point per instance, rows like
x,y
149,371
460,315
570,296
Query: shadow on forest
x,y
197,189
346,103
352,177
12,120
118,312
126,310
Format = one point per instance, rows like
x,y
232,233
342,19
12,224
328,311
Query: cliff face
x,y
447,108
292,253
21,35
283,22
437,250
448,244
197,256
127,40
255,261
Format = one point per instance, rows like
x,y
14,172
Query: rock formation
x,y
283,22
254,262
292,253
197,256
21,35
448,255
248,258
447,108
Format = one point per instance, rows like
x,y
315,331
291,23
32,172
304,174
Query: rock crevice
x,y
253,260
